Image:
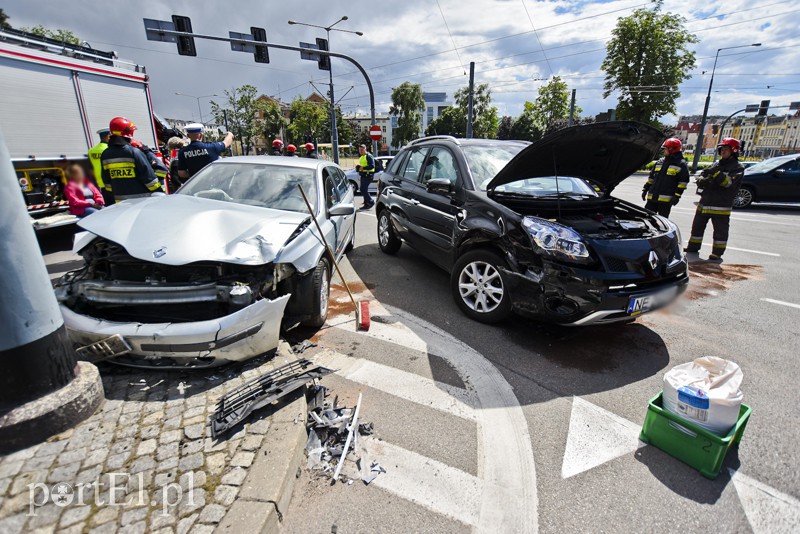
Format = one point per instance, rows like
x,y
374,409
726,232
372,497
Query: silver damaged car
x,y
210,274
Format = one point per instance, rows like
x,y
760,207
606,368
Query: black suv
x,y
532,227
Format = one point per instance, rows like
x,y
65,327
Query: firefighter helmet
x,y
291,149
121,126
731,143
673,144
136,143
277,143
309,146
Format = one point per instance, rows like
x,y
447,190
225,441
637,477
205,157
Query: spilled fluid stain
x,y
708,279
340,303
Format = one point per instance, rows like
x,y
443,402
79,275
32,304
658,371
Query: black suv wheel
x,y
479,288
744,197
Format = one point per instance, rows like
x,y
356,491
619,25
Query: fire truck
x,y
55,97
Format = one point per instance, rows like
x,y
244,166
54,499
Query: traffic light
x,y
185,44
262,52
324,62
763,108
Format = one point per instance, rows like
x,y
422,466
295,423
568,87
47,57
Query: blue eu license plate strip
x,y
639,305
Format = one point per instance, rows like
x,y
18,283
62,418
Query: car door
x,y
435,211
789,178
331,197
346,196
400,194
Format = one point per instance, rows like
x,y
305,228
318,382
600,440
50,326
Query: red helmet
x,y
277,143
136,143
291,148
121,126
309,146
673,144
731,143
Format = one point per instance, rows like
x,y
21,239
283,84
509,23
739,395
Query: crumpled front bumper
x,y
241,335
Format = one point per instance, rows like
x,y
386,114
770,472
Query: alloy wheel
x,y
383,230
480,286
743,198
324,293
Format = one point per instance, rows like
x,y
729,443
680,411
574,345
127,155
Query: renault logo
x,y
157,253
653,260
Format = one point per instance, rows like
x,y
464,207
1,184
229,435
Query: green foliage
x,y
504,128
360,136
4,25
65,36
307,118
526,127
272,119
453,120
648,52
343,127
242,107
552,104
407,104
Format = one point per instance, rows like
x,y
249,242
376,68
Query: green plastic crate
x,y
688,442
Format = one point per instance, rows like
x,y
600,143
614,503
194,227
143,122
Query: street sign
x,y
311,56
375,132
154,29
751,108
239,46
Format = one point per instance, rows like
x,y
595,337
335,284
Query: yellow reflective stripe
x,y
152,186
664,198
726,182
716,212
649,196
682,185
696,240
672,171
118,165
657,168
161,174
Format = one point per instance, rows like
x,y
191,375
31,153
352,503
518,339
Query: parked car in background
x,y
210,274
381,162
771,180
523,227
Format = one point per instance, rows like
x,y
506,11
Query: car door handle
x,y
411,201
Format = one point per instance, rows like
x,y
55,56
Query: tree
x,y
505,126
65,36
272,119
407,105
242,111
646,60
552,104
526,127
4,25
307,119
451,121
360,136
485,120
343,128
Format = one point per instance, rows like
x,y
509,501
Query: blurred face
x,y
725,152
195,136
362,150
665,151
75,174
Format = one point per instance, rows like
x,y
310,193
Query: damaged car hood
x,y
604,152
180,229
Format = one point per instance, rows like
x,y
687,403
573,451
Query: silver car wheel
x,y
743,198
383,230
480,286
324,294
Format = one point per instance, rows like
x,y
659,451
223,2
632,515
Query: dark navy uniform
x,y
198,154
127,170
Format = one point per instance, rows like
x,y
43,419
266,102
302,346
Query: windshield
x,y
769,164
549,186
266,186
485,161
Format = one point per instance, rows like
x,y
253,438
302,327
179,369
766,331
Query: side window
x,y
792,167
340,180
441,164
395,165
414,164
329,187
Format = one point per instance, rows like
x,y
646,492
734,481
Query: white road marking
x,y
596,436
782,303
767,509
774,254
434,485
743,218
403,384
367,213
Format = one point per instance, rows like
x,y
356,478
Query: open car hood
x,y
181,229
604,152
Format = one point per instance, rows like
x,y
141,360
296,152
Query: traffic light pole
x,y
334,129
356,64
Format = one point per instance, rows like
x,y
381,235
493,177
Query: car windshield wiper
x,y
568,195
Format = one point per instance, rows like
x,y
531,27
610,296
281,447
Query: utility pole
x,y
471,98
572,109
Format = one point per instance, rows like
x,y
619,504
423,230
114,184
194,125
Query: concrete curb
x,y
267,489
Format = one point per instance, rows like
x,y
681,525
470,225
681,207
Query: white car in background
x,y
381,163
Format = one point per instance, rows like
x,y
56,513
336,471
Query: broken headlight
x,y
556,240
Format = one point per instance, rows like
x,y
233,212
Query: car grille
x,y
617,265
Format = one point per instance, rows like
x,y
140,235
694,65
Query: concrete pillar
x,y
43,390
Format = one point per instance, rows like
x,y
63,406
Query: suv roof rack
x,y
432,137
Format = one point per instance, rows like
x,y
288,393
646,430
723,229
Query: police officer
x,y
719,183
311,151
126,168
94,157
667,180
366,170
198,154
291,151
277,148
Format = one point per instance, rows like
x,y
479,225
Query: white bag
x,y
705,392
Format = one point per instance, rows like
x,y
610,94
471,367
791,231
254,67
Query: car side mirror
x,y
439,186
341,210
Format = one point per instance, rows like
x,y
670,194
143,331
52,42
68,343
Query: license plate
x,y
639,305
104,349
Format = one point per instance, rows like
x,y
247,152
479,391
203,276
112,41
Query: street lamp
x,y
198,101
328,29
699,146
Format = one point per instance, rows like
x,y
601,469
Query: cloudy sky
x,y
409,40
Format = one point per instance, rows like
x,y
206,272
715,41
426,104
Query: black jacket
x,y
127,170
719,184
668,179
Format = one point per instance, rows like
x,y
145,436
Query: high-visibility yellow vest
x,y
94,156
363,162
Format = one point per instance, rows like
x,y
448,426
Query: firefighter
x,y
667,180
156,163
277,148
94,157
717,185
198,154
291,151
311,152
366,170
124,167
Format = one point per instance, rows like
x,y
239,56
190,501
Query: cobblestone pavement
x,y
147,450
